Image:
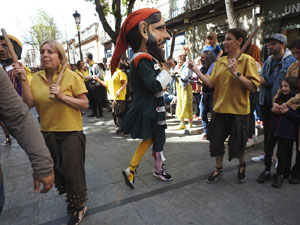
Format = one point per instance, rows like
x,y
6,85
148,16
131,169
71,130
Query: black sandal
x,y
70,209
215,176
242,175
74,218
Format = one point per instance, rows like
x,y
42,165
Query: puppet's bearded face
x,y
157,36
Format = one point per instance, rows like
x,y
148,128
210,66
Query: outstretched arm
x,y
22,126
200,75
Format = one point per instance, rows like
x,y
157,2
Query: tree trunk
x,y
100,10
232,20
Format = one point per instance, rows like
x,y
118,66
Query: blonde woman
x,y
184,90
61,122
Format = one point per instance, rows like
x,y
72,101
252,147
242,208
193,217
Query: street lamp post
x,y
76,16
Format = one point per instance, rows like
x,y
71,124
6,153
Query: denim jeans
x,y
1,196
206,105
168,98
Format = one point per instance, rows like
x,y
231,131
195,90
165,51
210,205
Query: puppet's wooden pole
x,y
10,46
243,49
173,43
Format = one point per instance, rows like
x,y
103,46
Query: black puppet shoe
x,y
128,175
162,175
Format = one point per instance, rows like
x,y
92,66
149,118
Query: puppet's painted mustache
x,y
162,42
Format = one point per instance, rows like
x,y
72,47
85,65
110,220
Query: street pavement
x,y
185,200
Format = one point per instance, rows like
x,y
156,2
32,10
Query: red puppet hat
x,y
130,22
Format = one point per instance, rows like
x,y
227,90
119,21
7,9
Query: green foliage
x,y
116,8
43,28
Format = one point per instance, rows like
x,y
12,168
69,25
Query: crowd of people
x,y
226,88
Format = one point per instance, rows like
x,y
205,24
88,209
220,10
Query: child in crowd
x,y
212,45
283,131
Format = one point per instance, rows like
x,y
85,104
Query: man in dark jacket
x,y
22,126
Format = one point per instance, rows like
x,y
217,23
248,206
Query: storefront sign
x,y
294,8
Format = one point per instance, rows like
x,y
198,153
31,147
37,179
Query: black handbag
x,y
91,85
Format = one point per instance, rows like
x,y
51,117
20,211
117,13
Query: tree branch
x,y
130,6
118,15
100,10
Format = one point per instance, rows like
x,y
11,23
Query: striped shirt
x,y
13,79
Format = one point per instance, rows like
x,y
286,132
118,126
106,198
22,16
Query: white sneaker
x,y
258,158
203,136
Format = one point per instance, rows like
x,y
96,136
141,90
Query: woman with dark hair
x,y
232,79
208,60
81,70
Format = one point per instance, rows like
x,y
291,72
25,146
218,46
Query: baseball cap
x,y
277,37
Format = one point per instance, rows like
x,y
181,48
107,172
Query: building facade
x,y
193,19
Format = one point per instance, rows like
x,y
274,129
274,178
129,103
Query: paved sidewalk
x,y
185,200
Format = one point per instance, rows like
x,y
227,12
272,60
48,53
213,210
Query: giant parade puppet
x,y
145,32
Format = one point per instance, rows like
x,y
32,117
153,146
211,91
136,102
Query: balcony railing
x,y
189,6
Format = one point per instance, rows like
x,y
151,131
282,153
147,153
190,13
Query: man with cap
x,y
6,62
145,31
272,73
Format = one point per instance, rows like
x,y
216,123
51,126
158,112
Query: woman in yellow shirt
x,y
81,70
116,93
61,122
233,79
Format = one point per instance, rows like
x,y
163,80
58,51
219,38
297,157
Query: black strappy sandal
x,y
242,175
75,218
215,176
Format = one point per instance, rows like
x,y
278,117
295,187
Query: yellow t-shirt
x,y
84,74
114,84
229,94
29,75
54,114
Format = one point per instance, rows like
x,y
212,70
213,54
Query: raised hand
x,y
232,66
169,64
20,71
56,90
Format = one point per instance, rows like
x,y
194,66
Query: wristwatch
x,y
238,74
